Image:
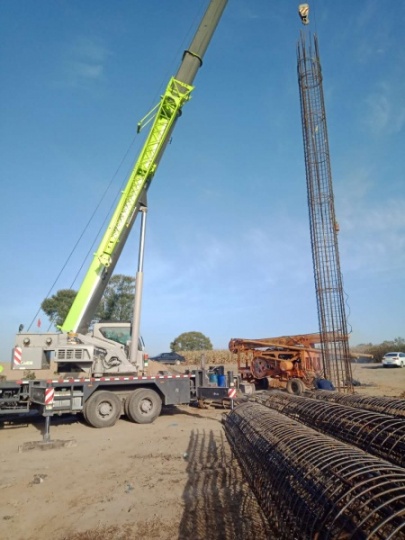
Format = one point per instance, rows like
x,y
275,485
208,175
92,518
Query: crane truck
x,y
101,367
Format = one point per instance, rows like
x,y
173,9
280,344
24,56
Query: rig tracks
x,y
378,434
311,486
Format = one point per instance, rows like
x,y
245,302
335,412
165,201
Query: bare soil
x,y
379,381
174,479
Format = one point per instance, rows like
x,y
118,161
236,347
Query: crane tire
x,y
143,406
126,402
296,387
102,409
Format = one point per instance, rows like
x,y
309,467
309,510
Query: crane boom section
x,y
168,110
172,101
176,94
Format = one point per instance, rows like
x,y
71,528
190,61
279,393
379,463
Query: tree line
x,y
116,305
378,350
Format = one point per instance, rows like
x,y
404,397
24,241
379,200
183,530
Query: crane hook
x,y
303,12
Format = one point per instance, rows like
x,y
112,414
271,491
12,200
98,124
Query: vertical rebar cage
x,y
323,224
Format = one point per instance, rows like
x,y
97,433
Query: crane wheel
x,y
143,406
102,409
296,387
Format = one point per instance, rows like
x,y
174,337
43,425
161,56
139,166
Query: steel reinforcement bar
x,y
376,433
311,486
385,405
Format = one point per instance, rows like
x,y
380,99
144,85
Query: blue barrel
x,y
222,381
213,378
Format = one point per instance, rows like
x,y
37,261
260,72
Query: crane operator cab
x,y
104,350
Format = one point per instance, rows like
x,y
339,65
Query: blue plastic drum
x,y
213,378
222,381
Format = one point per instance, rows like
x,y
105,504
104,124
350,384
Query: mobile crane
x,y
100,372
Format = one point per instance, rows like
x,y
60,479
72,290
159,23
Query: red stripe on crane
x,y
17,357
49,395
232,393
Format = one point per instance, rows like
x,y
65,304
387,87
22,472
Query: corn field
x,y
215,357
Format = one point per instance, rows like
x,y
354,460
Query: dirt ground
x,y
174,479
379,381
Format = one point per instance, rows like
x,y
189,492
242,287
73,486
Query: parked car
x,y
393,359
168,358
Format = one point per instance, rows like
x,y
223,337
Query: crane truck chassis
x,y
102,400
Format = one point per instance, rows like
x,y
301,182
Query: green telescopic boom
x,y
177,93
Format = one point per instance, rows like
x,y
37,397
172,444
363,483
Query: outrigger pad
x,y
46,445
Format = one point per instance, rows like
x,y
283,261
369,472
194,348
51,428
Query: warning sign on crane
x,y
232,393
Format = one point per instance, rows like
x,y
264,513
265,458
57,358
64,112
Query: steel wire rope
x,y
85,228
108,213
73,250
153,100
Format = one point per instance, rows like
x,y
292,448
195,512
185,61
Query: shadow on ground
x,y
218,504
378,366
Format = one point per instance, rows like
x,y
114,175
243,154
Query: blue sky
x,y
228,250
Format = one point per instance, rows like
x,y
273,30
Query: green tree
x,y
191,341
117,303
378,350
57,306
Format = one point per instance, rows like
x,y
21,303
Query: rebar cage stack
x,y
385,405
378,434
323,224
311,486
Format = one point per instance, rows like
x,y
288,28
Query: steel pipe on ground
x,y
311,486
